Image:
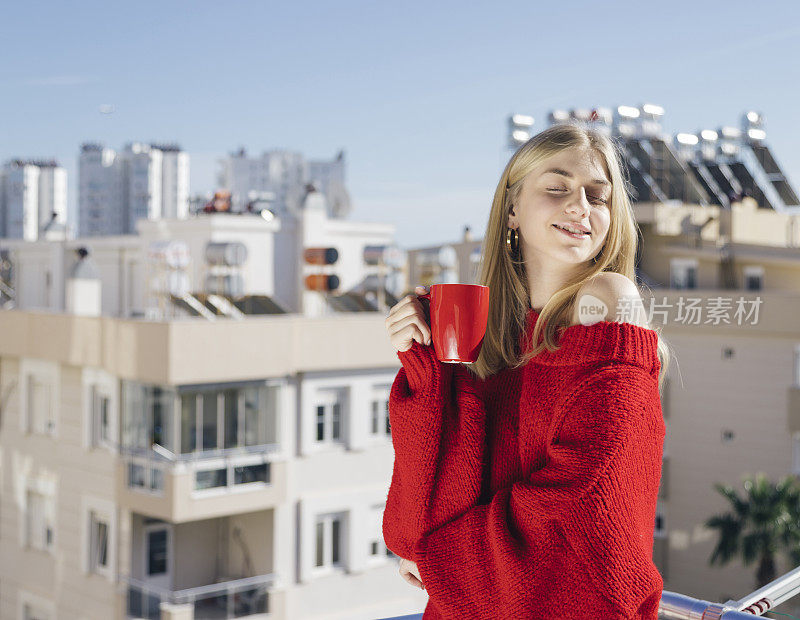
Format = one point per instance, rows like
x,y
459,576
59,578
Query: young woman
x,y
525,484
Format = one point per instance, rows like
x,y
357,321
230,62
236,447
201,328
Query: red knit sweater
x,y
531,494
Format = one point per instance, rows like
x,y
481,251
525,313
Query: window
x,y
188,423
240,470
328,543
379,419
227,418
145,475
146,416
659,525
683,273
157,552
329,416
753,278
101,433
39,511
98,543
40,410
377,546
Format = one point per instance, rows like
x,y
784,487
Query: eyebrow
x,y
569,175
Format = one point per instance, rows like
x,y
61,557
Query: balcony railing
x,y
146,467
238,598
676,606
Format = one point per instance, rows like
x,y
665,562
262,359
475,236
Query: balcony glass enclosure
x,y
198,419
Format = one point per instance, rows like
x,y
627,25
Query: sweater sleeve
x,y
597,491
437,422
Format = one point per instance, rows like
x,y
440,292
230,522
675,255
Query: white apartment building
x,y
279,177
142,181
33,199
220,465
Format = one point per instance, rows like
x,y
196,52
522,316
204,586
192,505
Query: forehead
x,y
583,163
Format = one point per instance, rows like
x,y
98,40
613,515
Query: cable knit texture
x,y
531,494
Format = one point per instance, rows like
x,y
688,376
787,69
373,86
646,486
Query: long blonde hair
x,y
506,277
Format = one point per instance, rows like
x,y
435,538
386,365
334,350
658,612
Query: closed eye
x,y
555,189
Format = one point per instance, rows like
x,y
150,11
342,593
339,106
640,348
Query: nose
x,y
581,206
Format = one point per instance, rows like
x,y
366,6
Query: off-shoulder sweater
x,y
531,494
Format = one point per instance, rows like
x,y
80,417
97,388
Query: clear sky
x,y
416,93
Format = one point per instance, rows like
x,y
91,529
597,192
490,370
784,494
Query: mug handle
x,y
428,297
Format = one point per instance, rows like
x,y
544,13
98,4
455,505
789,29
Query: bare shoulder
x,y
609,296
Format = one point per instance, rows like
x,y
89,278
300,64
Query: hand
x,y
406,322
410,572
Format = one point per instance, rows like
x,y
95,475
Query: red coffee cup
x,y
459,313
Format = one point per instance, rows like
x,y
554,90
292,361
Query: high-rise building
x,y
280,177
33,195
143,181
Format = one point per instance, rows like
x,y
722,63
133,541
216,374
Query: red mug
x,y
459,313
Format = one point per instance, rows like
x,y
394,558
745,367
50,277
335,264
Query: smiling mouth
x,y
573,235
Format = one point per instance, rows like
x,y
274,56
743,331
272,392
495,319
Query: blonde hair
x,y
506,277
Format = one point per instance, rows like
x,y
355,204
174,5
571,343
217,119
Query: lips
x,y
575,226
573,235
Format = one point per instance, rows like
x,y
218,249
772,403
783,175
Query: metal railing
x,y
238,598
674,606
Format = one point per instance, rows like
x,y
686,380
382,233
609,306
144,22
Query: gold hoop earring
x,y
512,246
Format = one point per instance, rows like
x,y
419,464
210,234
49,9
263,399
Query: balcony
x,y
202,451
219,568
202,485
238,598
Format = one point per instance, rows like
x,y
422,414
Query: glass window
x,y
336,419
250,473
98,552
156,479
209,420
320,422
255,414
136,475
231,403
211,478
103,406
157,552
188,423
375,409
336,528
320,543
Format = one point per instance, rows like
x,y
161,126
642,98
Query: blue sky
x,y
417,94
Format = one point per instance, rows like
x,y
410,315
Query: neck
x,y
546,277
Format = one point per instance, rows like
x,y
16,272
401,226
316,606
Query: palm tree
x,y
761,524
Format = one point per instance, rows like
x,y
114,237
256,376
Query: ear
x,y
511,215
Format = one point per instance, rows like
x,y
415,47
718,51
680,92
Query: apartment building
x,y
186,463
278,178
33,199
141,181
176,446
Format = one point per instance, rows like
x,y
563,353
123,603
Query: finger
x,y
409,334
413,580
421,328
414,306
